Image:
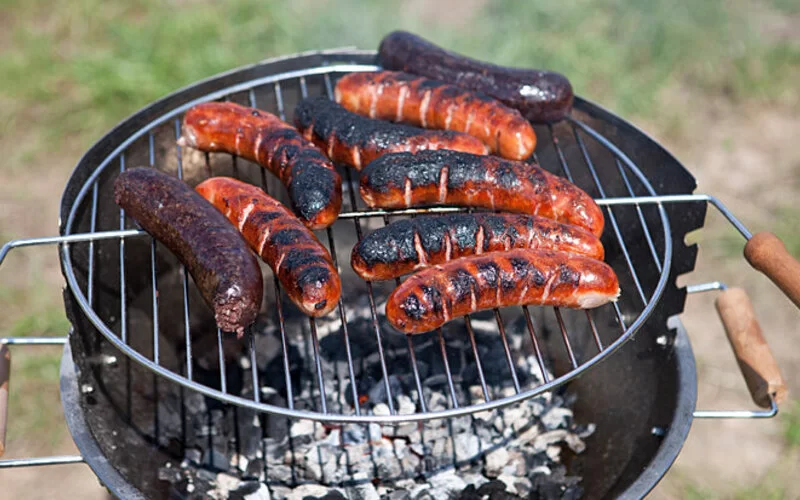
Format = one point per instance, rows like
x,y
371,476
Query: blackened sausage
x,y
217,257
303,266
541,96
315,188
435,295
403,180
355,140
407,245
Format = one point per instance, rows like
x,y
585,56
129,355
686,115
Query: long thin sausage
x,y
407,245
401,97
436,295
303,266
355,140
219,260
315,188
405,180
541,96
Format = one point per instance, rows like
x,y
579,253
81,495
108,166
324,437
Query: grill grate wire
x,y
278,84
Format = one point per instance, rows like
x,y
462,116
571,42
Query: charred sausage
x,y
407,245
303,266
405,180
219,260
405,98
315,189
355,140
541,96
434,296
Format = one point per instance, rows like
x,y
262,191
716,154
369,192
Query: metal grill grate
x,y
571,149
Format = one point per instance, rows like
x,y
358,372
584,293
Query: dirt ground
x,y
753,173
754,169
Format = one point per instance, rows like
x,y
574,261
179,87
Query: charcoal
x,y
491,487
505,454
378,391
363,491
502,495
399,494
469,493
261,492
333,495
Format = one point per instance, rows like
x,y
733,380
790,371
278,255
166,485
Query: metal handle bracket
x,y
773,405
32,461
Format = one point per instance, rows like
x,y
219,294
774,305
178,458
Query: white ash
x,y
507,453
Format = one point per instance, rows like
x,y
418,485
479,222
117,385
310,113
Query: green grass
x,y
787,228
768,488
70,70
695,492
35,419
33,308
726,242
791,421
787,6
46,323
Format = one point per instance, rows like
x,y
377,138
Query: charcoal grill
x,y
137,319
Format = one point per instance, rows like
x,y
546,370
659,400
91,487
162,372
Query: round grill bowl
x,y
641,399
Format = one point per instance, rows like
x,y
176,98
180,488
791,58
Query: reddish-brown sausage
x,y
224,269
404,180
434,296
405,98
407,245
355,140
315,188
302,264
541,96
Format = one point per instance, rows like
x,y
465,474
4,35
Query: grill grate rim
x,y
279,83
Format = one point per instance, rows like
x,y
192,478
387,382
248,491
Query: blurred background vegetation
x,y
71,70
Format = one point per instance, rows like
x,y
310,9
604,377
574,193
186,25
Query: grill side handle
x,y
5,371
767,254
755,358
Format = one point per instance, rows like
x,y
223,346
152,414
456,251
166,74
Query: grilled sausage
x,y
224,269
541,96
434,296
401,97
407,245
315,189
404,180
303,266
355,140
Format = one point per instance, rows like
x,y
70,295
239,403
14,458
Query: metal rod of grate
x,y
278,85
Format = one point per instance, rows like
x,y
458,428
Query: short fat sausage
x,y
404,180
356,140
434,296
303,266
401,97
407,245
219,260
541,96
315,188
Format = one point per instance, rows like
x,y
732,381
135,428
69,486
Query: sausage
x,y
355,140
303,266
403,180
219,260
401,97
407,245
541,96
434,296
315,188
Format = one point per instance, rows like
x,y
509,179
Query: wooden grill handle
x,y
5,371
758,365
767,253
